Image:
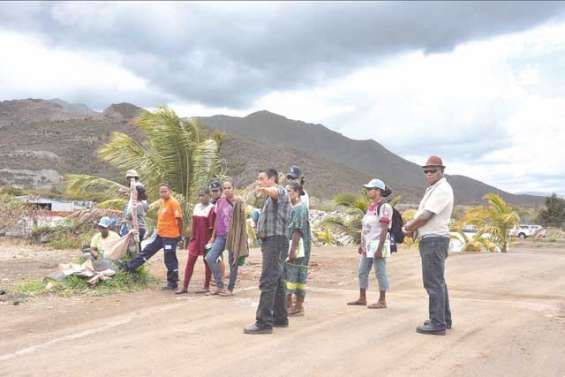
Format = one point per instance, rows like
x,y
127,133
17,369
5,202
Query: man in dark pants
x,y
169,232
273,232
431,227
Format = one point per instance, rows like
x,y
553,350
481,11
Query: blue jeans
x,y
433,251
365,265
212,259
233,271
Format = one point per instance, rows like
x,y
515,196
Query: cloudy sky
x,y
480,83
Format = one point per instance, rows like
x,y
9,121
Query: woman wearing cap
x,y
222,227
203,217
375,243
295,175
296,266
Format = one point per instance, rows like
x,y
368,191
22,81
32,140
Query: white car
x,y
524,231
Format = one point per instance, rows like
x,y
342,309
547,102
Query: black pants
x,y
272,302
433,251
169,245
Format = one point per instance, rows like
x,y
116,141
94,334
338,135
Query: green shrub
x,y
31,287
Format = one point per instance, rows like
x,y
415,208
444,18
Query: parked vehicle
x,y
524,231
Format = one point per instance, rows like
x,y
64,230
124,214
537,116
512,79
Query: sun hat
x,y
132,174
375,183
294,172
434,161
105,222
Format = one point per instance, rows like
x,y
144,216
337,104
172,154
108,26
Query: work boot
x,y
429,329
448,324
256,329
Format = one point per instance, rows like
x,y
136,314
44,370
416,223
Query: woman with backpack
x,y
375,243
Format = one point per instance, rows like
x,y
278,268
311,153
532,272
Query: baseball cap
x,y
294,172
215,186
105,222
375,183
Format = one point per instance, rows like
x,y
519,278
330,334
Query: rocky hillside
x,y
365,156
42,140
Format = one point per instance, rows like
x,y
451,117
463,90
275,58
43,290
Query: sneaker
x,y
281,324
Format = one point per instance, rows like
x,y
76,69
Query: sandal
x,y
357,303
224,293
296,313
377,305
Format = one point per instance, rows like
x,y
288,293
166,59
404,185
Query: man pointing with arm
x,y
272,229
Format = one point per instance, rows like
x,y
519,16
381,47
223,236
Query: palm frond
x,y
92,188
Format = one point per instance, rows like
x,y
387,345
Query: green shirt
x,y
299,221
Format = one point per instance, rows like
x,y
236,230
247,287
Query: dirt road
x,y
509,320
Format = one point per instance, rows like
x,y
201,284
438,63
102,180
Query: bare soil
x,y
508,310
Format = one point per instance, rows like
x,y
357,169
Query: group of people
x,y
283,229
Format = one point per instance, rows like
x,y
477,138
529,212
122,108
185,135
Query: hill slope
x,y
42,140
366,156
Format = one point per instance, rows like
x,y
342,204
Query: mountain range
x,y
44,139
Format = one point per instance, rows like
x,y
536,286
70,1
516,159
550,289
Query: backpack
x,y
396,233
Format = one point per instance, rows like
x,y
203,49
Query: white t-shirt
x,y
437,199
305,199
371,232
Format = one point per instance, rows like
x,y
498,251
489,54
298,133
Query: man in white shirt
x,y
431,227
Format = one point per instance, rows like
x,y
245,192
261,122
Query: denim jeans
x,y
233,271
433,251
272,302
365,265
212,259
169,246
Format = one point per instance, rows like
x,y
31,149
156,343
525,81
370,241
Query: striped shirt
x,y
275,216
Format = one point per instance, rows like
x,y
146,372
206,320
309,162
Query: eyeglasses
x,y
430,171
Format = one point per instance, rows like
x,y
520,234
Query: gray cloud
x,y
230,54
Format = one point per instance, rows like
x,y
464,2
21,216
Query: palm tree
x,y
174,151
495,219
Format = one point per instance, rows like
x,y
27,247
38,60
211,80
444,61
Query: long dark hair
x,y
141,194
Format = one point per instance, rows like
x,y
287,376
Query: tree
x,y
554,212
174,151
495,219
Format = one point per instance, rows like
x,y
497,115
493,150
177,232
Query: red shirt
x,y
203,218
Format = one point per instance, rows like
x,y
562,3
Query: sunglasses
x,y
430,171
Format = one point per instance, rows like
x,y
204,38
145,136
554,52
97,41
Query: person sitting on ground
x,y
203,218
296,267
375,243
104,239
